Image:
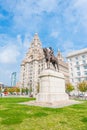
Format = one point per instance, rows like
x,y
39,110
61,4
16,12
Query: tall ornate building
x,y
34,63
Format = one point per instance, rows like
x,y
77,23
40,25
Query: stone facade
x,y
63,66
34,63
77,61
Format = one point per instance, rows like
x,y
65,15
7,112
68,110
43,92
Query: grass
x,y
14,116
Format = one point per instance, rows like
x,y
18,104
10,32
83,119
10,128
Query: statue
x,y
50,58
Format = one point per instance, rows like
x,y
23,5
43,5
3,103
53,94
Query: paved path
x,y
58,104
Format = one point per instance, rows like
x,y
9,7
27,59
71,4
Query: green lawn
x,y
14,116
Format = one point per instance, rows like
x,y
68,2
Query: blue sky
x,y
61,24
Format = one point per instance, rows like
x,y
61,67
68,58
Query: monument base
x,y
52,87
58,104
51,97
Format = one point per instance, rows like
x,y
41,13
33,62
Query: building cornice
x,y
75,53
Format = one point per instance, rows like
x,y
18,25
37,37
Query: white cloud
x,y
80,3
67,46
19,40
11,48
27,41
28,14
35,7
81,6
54,34
44,5
75,15
9,54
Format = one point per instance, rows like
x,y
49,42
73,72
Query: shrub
x,y
82,86
69,88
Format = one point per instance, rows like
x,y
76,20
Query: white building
x,y
34,63
77,61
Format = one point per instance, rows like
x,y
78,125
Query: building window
x,y
85,72
78,73
85,78
77,63
78,68
84,61
79,79
83,56
76,58
85,67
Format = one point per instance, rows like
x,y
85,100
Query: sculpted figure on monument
x,y
50,57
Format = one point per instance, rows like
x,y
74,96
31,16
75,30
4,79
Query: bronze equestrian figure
x,y
49,56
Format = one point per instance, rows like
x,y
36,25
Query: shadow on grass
x,y
40,114
84,120
16,115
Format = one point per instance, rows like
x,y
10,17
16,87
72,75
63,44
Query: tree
x,y
17,90
6,90
38,87
82,86
0,89
23,90
11,90
30,89
69,88
27,90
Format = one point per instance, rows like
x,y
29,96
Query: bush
x,y
69,88
82,86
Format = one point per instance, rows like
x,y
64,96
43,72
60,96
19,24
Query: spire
x,y
59,56
35,50
36,41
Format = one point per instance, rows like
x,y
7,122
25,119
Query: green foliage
x,y
11,90
38,87
27,90
0,89
14,89
30,89
6,90
17,89
23,90
69,88
82,86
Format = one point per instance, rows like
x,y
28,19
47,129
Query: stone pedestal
x,y
52,87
